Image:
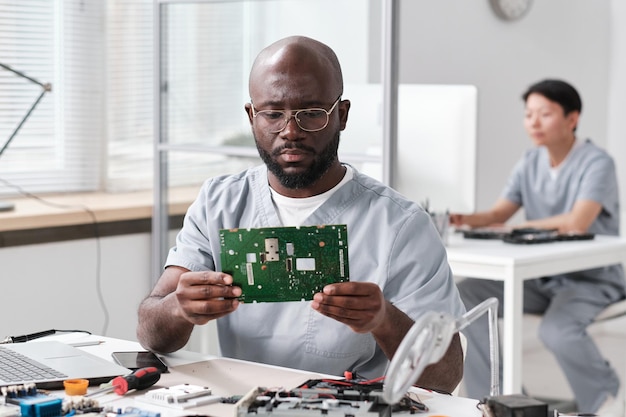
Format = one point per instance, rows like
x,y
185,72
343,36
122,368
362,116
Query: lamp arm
x,y
19,126
490,305
427,341
46,87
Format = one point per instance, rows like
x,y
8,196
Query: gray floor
x,y
543,378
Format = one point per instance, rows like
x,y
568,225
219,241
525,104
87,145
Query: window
x,y
51,41
95,129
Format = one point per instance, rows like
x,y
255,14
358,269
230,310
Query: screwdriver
x,y
140,379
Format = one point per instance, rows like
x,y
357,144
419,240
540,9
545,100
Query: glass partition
x,y
204,55
205,50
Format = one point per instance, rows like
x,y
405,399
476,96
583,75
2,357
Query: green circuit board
x,y
285,263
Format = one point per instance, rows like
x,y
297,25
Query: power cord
x,y
33,336
92,215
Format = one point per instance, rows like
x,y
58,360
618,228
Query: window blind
x,y
95,129
57,42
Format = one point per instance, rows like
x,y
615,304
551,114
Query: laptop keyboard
x,y
17,368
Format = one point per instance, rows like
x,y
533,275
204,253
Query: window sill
x,y
71,216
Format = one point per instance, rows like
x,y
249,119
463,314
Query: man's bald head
x,y
297,53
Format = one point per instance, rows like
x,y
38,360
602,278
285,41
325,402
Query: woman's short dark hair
x,y
558,91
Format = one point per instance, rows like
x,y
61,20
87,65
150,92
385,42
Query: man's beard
x,y
320,166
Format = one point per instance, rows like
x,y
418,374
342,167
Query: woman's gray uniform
x,y
568,302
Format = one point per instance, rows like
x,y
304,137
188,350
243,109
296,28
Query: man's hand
x,y
181,299
206,295
360,305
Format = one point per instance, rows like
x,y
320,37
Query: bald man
x,y
398,267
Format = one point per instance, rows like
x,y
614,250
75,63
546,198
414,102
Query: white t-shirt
x,y
294,211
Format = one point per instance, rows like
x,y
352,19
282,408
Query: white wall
x,y
55,286
463,42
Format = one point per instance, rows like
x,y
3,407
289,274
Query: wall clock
x,y
510,9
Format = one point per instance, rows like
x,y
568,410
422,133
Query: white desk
x,y
512,263
227,377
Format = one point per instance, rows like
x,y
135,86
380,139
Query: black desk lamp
x,y
4,206
428,340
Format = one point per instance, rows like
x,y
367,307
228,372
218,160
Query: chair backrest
x,y
613,311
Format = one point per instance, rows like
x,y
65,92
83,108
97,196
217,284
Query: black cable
x,y
94,220
33,336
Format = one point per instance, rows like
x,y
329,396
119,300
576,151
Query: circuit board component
x,y
277,264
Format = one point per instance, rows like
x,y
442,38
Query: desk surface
x,y
494,259
514,263
227,377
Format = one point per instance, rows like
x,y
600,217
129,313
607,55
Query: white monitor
x,y
436,140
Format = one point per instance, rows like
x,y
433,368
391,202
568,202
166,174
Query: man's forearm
x,y
445,375
389,335
160,329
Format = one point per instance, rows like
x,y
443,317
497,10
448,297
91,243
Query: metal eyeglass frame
x,y
288,114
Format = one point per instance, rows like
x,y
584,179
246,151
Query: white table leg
x,y
512,338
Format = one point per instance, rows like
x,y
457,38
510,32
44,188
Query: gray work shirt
x,y
392,242
588,173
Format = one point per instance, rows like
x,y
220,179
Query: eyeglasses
x,y
309,120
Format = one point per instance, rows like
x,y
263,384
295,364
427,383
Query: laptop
x,y
58,362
